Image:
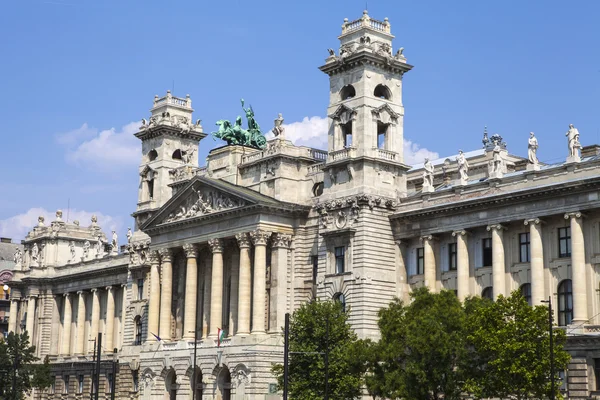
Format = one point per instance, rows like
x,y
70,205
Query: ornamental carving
x,y
281,240
166,256
260,237
190,250
153,257
243,239
216,245
205,201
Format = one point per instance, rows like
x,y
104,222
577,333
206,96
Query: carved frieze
x,y
204,201
281,240
345,212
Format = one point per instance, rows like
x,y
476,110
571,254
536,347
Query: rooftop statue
x,y
235,134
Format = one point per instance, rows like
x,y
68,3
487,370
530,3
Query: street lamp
x,y
549,301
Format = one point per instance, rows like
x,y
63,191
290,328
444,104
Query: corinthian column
x,y
154,299
166,293
30,316
95,315
498,266
110,318
245,282
12,318
191,291
536,262
66,338
279,284
578,273
259,238
80,323
216,287
429,273
462,264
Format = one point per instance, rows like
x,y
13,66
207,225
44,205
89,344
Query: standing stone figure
x,y
129,235
35,252
532,149
278,129
86,249
573,141
72,250
115,242
463,167
18,257
428,176
99,247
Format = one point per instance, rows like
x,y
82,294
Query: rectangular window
x,y
487,252
80,384
564,242
597,372
53,385
66,388
451,256
140,288
109,382
524,248
348,140
136,380
315,268
340,266
420,261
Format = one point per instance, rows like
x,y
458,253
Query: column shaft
x,y
30,317
110,318
66,334
206,299
245,285
579,275
12,317
462,264
154,298
216,288
498,266
79,349
95,319
191,292
259,296
166,294
429,263
280,244
536,262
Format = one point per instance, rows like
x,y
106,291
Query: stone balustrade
x,y
172,100
315,168
342,154
366,22
386,154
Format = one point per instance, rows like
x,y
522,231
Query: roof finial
x,y
485,140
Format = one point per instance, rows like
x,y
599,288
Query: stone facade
x,y
219,254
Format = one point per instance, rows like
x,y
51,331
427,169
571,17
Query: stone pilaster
x,y
30,321
154,297
206,298
110,319
429,268
216,287
536,261
498,265
119,343
191,291
402,286
166,293
95,315
12,318
462,264
245,285
79,348
259,238
578,273
279,285
66,333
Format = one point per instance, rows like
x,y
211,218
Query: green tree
x,y
510,344
421,349
316,329
18,368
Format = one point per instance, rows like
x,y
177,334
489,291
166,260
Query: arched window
x,y
317,189
171,384
224,383
382,92
198,381
488,293
347,92
565,302
152,155
339,297
177,155
138,331
526,292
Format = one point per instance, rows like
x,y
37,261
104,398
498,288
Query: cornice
x,y
166,130
364,58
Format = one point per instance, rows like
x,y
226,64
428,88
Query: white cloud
x,y
106,150
17,226
312,132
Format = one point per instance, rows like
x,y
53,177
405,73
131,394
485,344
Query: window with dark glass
x,y
565,303
80,384
315,268
451,256
339,297
526,292
597,372
136,380
53,385
140,288
488,293
340,266
420,261
109,382
138,331
564,242
66,381
487,252
524,248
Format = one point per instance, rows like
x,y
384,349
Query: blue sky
x,y
76,74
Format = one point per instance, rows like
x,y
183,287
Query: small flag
x,y
156,336
221,335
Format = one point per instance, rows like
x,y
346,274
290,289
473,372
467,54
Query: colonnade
x,y
498,263
251,291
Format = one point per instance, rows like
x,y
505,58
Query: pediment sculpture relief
x,y
204,201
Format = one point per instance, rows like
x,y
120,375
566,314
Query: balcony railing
x,y
169,99
342,154
386,154
366,22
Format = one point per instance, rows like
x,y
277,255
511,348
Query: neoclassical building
x,y
219,253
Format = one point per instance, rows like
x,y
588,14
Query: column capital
x,y
109,288
498,227
400,242
216,245
427,238
166,255
575,214
154,257
533,221
281,240
260,237
80,292
460,232
93,290
191,251
66,295
243,240
32,296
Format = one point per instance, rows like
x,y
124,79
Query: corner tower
x,y
366,134
170,141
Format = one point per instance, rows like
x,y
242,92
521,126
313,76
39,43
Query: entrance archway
x,y
197,378
171,385
224,384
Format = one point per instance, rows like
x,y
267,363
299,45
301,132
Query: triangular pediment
x,y
385,114
343,113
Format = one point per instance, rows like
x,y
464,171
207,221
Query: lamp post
x,y
549,301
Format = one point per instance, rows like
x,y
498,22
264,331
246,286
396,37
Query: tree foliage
x,y
18,368
317,328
